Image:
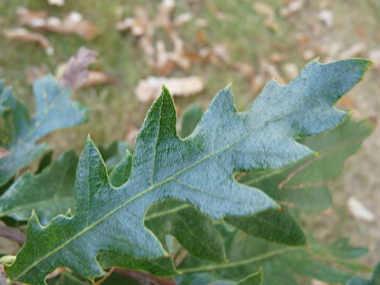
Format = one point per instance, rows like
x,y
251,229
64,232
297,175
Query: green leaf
x,y
45,161
120,174
198,170
254,279
304,184
20,132
49,193
190,119
193,230
115,153
182,220
375,280
246,254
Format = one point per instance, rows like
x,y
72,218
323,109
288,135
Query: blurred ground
x,y
253,42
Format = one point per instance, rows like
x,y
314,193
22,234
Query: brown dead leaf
x,y
264,9
276,57
245,68
308,54
165,10
4,152
149,89
57,2
76,74
359,211
96,77
360,33
291,70
182,19
353,51
72,24
326,17
27,36
292,7
271,25
33,19
303,40
202,23
271,70
374,55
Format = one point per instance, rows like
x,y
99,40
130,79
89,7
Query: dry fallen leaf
x,y
76,73
4,152
202,23
71,24
271,25
326,17
96,77
33,19
359,211
353,51
56,2
165,10
182,19
276,57
149,89
291,70
292,7
374,55
308,54
264,9
27,36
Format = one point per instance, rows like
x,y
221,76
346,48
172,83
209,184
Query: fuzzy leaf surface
x,y
48,193
199,170
194,230
20,132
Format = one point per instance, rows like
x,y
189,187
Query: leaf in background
x,y
20,132
190,119
304,184
246,254
76,73
115,153
194,230
198,170
49,193
45,161
375,280
27,36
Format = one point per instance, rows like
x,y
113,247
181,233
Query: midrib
x,y
168,180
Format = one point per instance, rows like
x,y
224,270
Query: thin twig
x,y
12,234
145,278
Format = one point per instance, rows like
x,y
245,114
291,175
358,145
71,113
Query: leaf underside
x,y
108,221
